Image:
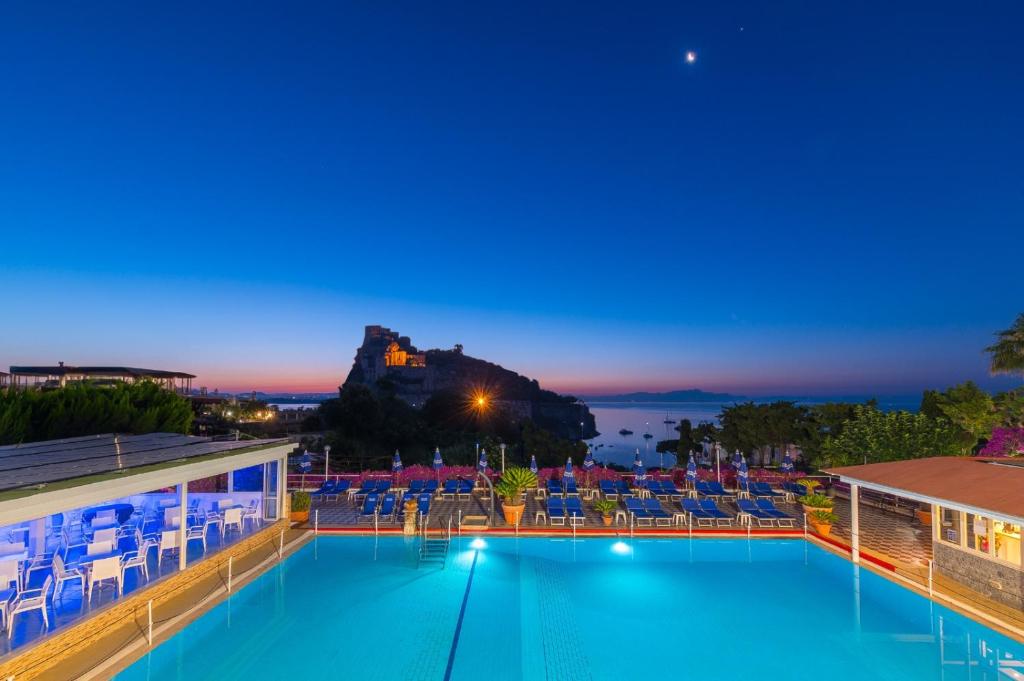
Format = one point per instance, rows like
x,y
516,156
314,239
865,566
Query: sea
x,y
654,417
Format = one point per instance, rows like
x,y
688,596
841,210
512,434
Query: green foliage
x,y
300,501
817,501
969,408
751,426
1007,353
514,481
874,436
88,409
822,517
809,485
1010,408
604,506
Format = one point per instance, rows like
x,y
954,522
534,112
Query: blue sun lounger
x,y
369,507
719,491
711,508
570,487
340,487
623,488
555,488
429,487
556,510
669,489
636,510
693,507
763,489
450,489
416,486
574,508
608,489
387,507
466,488
781,517
326,488
750,508
660,515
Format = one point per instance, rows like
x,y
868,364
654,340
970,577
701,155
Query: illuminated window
x,y
1007,541
950,529
977,533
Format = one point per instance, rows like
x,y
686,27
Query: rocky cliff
x,y
388,360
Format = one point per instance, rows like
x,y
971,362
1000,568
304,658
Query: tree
x,y
873,436
967,407
1007,353
824,420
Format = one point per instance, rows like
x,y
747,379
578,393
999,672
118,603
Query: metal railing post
x,y
805,526
376,525
931,587
149,629
231,560
689,524
630,525
280,550
573,528
316,521
460,522
749,525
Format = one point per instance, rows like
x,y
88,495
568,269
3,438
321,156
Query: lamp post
x,y
502,445
327,461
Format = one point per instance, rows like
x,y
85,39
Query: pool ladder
x,y
434,549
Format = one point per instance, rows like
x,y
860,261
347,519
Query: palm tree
x,y
1008,352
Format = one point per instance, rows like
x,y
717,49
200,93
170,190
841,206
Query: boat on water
x,y
668,419
625,431
647,436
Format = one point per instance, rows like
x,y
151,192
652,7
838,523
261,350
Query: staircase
x,y
434,547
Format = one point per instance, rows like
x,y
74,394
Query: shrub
x,y
822,517
816,500
300,501
513,483
604,506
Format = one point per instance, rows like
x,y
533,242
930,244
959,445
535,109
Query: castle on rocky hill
x,y
389,359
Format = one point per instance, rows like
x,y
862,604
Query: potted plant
x,y
513,484
605,508
924,514
822,521
300,506
816,502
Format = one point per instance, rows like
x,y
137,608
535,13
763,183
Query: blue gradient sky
x,y
829,201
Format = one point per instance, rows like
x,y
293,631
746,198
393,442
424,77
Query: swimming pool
x,y
530,609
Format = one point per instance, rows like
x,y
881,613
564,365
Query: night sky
x,y
829,200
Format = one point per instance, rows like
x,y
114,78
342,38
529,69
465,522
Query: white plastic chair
x,y
168,542
97,548
108,534
197,532
253,513
233,518
62,574
28,600
103,570
135,559
10,586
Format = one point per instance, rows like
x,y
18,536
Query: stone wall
x,y
52,651
998,582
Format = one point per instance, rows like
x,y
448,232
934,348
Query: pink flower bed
x,y
1004,442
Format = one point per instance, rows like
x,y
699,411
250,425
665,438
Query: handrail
x,y
490,486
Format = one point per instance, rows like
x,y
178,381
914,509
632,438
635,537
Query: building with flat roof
x,y
60,375
86,521
976,514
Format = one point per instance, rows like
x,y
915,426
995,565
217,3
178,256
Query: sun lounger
x,y
711,508
429,487
669,489
636,510
623,488
570,487
466,488
763,489
608,489
719,491
369,507
555,488
383,486
416,486
326,488
423,503
750,508
781,517
340,487
693,507
365,488
574,508
450,489
387,507
661,517
556,510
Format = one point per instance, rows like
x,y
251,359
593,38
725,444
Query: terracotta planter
x,y
822,528
299,516
513,514
607,520
811,509
925,517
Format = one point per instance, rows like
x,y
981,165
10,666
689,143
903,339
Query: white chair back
x,y
106,568
108,534
224,503
168,539
99,547
172,516
8,573
104,517
233,516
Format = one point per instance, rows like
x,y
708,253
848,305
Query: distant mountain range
x,y
693,395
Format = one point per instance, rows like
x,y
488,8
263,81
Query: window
x,y
1007,542
978,533
950,529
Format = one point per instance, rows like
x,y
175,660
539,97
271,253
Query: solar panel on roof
x,y
56,460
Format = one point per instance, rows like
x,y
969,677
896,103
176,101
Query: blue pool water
x,y
532,609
